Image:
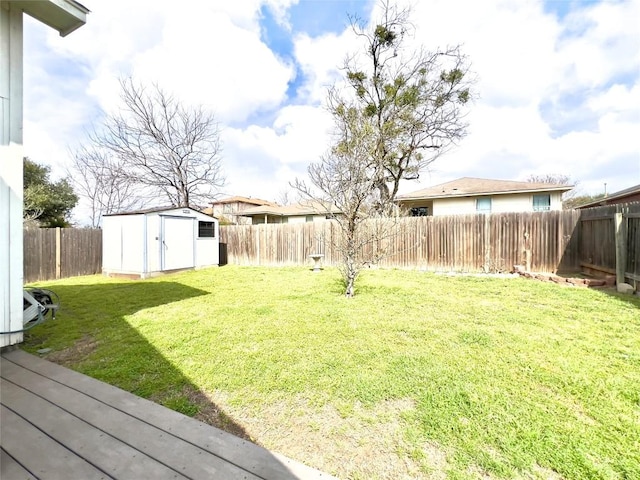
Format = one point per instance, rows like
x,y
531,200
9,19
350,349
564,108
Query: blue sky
x,y
558,82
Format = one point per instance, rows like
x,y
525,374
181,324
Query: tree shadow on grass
x,y
91,335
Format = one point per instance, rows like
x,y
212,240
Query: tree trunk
x,y
351,280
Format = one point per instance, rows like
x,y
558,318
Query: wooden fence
x,y
556,241
51,253
598,240
545,241
610,240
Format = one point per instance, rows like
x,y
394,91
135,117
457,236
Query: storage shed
x,y
150,242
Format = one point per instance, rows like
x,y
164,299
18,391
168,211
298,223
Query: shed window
x,y
206,230
541,203
483,205
309,218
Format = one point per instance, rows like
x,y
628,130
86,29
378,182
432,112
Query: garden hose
x,y
46,300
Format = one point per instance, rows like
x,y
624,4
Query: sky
x,y
557,82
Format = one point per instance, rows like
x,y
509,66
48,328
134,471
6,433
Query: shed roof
x,y
155,210
468,186
63,15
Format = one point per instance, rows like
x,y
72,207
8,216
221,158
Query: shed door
x,y
177,243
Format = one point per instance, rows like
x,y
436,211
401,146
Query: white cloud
x,y
538,76
266,159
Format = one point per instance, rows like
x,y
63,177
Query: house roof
x,y
302,208
240,199
468,186
156,210
615,196
65,16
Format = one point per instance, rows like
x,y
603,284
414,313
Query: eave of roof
x,y
238,198
155,210
471,187
614,196
65,16
289,210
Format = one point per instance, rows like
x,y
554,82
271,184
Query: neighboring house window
x,y
206,230
483,205
541,203
285,220
309,218
227,208
420,211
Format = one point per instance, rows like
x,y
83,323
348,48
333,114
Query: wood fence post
x,y
621,247
58,252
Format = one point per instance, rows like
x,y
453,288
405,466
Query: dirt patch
x,y
351,442
74,354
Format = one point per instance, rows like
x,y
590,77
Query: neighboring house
x,y
229,210
147,243
628,195
479,195
298,213
64,16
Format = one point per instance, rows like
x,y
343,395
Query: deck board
x,y
42,454
9,468
111,433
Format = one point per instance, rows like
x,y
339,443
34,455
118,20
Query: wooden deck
x,y
59,424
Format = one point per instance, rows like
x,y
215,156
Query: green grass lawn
x,y
418,376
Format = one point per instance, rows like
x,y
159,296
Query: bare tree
x,y
102,181
568,198
172,150
551,178
286,196
345,180
413,100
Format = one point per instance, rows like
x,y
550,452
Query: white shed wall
x,y
138,244
123,244
207,249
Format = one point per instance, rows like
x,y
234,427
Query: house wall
x,y
230,212
259,219
11,154
453,206
297,219
517,202
303,218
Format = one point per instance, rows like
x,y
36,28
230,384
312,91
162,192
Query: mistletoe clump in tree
x,y
413,100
